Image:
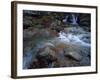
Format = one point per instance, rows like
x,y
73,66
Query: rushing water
x,y
74,19
77,39
74,36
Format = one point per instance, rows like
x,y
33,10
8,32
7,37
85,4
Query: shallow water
x,y
77,39
82,38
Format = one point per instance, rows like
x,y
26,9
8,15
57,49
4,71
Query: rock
x,y
84,21
28,33
47,33
34,64
74,55
86,61
26,49
74,30
55,64
69,49
44,57
85,50
47,51
74,51
60,44
44,52
44,33
42,62
50,45
27,21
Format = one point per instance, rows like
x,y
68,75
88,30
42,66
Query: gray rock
x,y
50,45
27,21
85,61
74,55
27,33
74,30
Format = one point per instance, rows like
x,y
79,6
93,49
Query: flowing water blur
x,y
74,36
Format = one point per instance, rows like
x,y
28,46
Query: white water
x,y
75,36
69,37
65,20
74,19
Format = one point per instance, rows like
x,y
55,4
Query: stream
x,y
74,36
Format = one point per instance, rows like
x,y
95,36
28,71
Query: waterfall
x,y
74,19
65,20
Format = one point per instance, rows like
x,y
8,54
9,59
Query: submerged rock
x,y
74,30
59,52
30,32
85,62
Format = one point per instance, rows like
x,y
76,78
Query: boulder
x,y
74,55
47,51
28,33
44,57
86,61
74,30
44,33
74,51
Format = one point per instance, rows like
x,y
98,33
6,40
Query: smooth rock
x,y
74,55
